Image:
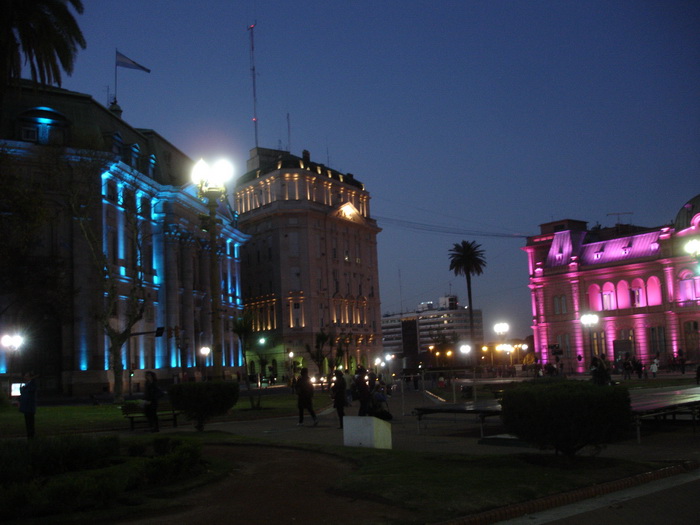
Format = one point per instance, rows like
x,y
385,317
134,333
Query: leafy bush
x,y
24,460
4,401
566,415
202,401
81,483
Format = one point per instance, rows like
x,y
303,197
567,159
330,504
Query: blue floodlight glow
x,y
82,350
106,353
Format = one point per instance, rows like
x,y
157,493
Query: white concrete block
x,y
369,432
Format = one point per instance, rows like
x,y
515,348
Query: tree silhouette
x,y
42,34
467,258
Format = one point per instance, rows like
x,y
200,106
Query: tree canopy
x,y
41,34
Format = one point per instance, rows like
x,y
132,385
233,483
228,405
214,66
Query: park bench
x,y
134,413
482,409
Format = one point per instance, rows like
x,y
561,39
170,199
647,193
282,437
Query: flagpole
x,y
115,75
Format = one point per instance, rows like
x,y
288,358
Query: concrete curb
x,y
567,498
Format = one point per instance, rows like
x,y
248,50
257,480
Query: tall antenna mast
x,y
619,214
251,28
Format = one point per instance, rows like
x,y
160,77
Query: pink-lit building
x,y
612,291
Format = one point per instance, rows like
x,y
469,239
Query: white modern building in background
x,y
414,336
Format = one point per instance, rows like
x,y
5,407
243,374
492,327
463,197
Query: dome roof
x,y
685,215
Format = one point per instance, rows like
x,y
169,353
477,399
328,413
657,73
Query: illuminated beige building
x,y
311,263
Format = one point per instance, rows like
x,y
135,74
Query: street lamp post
x,y
590,320
501,330
211,183
204,352
12,344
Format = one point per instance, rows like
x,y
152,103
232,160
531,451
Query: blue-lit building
x,y
145,213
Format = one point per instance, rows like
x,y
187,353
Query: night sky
x,y
465,120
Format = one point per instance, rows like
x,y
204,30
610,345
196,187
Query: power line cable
x,y
447,230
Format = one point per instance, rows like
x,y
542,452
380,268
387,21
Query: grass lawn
x,y
61,419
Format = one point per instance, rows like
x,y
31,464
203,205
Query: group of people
x,y
601,369
368,389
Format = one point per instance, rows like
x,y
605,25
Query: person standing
x,y
362,390
305,394
27,402
338,391
348,387
152,394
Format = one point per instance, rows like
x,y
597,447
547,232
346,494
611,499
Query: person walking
x,y
338,391
27,402
152,394
653,368
305,394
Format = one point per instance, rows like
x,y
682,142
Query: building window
x,y
111,191
687,287
657,340
608,301
29,134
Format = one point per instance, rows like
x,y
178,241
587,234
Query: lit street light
x,y
486,349
692,247
506,348
501,329
211,183
11,343
590,320
204,352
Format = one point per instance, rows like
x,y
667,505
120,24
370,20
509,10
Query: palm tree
x,y
45,32
467,258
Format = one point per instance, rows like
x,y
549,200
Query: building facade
x,y
639,286
114,212
310,265
414,337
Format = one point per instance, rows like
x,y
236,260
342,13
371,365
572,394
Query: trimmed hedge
x,y
202,401
86,473
566,415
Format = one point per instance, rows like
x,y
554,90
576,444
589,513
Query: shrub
x,y
566,415
4,401
81,485
202,401
24,460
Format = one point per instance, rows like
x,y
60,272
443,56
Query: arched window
x,y
609,302
687,285
654,291
595,300
638,296
623,295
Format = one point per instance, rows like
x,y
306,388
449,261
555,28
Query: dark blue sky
x,y
487,118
